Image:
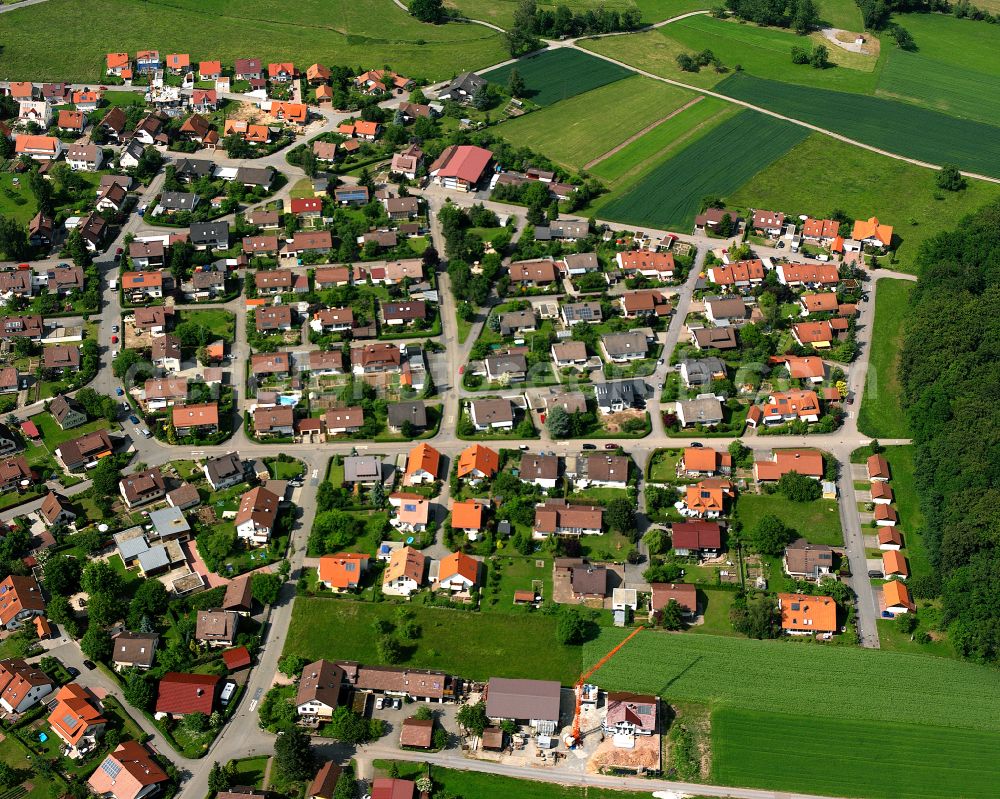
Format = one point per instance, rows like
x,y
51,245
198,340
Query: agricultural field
x,y
44,42
765,52
873,759
554,75
829,682
888,124
687,125
881,406
571,133
668,196
843,14
501,12
817,521
953,69
862,183
455,641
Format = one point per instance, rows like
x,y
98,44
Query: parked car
x,y
120,392
611,446
875,574
133,419
114,328
114,339
89,664
523,447
590,446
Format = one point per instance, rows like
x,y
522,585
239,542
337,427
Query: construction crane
x,y
574,738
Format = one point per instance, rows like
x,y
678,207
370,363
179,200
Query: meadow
x,y
817,521
876,760
907,503
862,183
501,12
887,124
571,133
668,196
881,412
554,75
842,14
63,40
681,129
474,645
830,682
765,52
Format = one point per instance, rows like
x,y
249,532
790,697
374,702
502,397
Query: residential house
x,y
575,312
878,468
328,277
458,573
885,516
699,539
810,368
351,195
76,718
713,338
143,286
469,517
204,285
580,263
894,564
318,692
413,414
768,222
540,470
324,784
477,462
21,685
130,772
133,650
131,154
318,241
460,166
117,64
322,364
705,410
653,265
270,364
537,272
708,499
872,233
141,488
506,368
803,461
224,471
281,72
683,594
379,81
20,601
407,163
364,470
494,414
808,561
178,63
257,515
729,311
40,230
192,169
180,694
343,571
896,598
165,352
802,614
39,148
463,88
147,254
881,493
786,406
274,421
56,509
738,274
821,231
172,202
630,714
247,69
273,318
422,465
196,420
569,354
818,335
705,462
620,395
341,421
79,453
557,517
239,596
111,198
608,471
808,275
21,327
404,575
147,61
71,121
396,314
332,320
216,627
67,412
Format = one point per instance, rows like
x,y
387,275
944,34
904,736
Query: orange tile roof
x,y
872,229
703,459
801,403
47,144
896,593
825,301
738,272
290,112
460,564
423,457
405,562
479,458
74,714
814,332
117,60
893,562
801,368
178,61
886,513
467,515
343,570
890,535
708,496
199,415
801,612
209,67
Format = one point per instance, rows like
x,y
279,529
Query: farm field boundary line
x,y
643,132
776,115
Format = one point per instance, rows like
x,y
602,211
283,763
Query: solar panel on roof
x,y
69,721
111,768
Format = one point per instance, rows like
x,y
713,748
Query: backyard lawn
x,y
474,645
53,435
16,202
716,606
285,470
250,770
517,573
818,521
221,323
14,754
663,465
881,406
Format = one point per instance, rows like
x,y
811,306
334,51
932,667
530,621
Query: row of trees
x,y
949,369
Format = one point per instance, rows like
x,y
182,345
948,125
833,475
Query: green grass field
x,y
555,75
765,52
842,14
669,195
688,125
827,682
862,183
62,40
222,323
53,435
876,760
818,521
881,412
501,12
887,124
571,134
475,645
16,202
907,503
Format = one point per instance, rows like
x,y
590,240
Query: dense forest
x,y
950,369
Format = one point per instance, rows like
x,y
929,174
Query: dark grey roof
x,y
209,232
625,391
523,699
700,370
257,176
178,200
413,412
193,168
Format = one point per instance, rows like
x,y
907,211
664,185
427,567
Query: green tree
x,y
656,540
673,615
138,691
96,643
428,10
220,778
799,488
571,626
620,513
195,723
516,85
266,587
820,57
559,423
472,718
950,179
770,536
276,711
99,576
62,574
756,617
291,665
293,756
389,650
